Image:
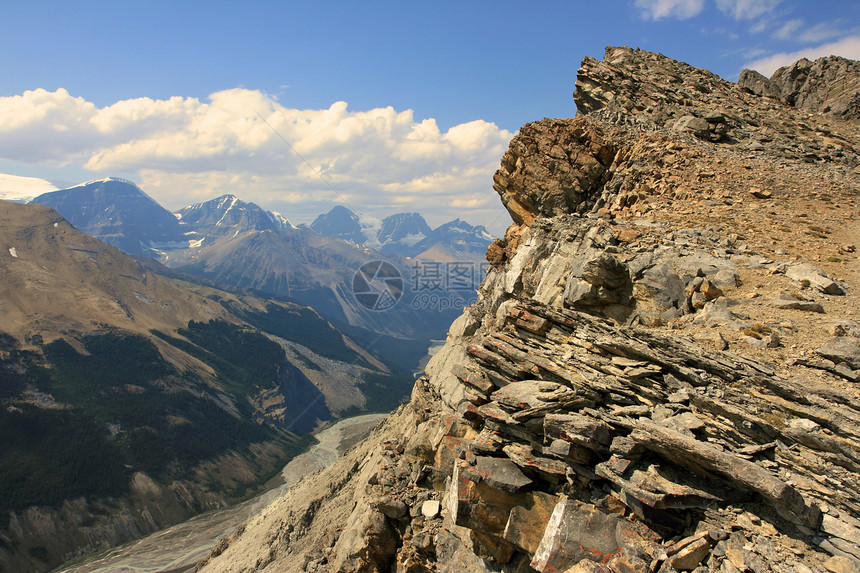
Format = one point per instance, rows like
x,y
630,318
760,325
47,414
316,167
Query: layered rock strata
x,y
828,85
660,373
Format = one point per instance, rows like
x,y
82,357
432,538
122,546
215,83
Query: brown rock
x,y
527,522
690,556
576,531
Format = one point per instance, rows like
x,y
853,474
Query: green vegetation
x,y
115,359
47,456
304,326
17,368
401,355
384,392
127,409
243,358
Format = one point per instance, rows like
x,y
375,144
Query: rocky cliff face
x,y
661,372
828,85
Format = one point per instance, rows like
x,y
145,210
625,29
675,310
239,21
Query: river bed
x,y
180,547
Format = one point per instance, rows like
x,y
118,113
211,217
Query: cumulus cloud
x,y
846,47
53,126
747,9
677,9
296,161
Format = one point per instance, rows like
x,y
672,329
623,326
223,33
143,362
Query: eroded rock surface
x,y
828,85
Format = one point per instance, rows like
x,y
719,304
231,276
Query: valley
x,y
182,546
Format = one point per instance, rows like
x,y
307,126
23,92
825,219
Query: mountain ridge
x,y
239,243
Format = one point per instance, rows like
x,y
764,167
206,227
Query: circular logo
x,y
377,285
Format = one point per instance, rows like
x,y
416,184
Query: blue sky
x,y
392,106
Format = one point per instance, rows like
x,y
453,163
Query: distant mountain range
x,y
406,235
237,243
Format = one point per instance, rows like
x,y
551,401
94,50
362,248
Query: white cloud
x,y
788,29
677,9
746,9
243,141
846,47
820,32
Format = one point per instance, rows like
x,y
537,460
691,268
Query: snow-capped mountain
x,y
234,242
406,235
401,232
23,189
456,240
228,213
342,223
119,213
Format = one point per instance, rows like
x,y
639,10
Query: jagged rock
x,y
498,473
845,328
695,125
661,294
575,531
597,281
390,507
703,458
430,508
839,564
527,522
532,398
828,85
690,554
586,431
525,457
550,171
809,275
842,349
788,301
575,426
719,312
367,545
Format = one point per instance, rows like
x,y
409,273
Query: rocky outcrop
x,y
828,85
625,395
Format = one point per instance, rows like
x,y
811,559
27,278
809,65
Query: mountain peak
x,y
340,223
227,212
117,211
829,85
23,189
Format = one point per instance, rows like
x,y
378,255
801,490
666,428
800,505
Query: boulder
x,y
842,349
576,531
811,276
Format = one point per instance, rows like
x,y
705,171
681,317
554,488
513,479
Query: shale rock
x,y
828,85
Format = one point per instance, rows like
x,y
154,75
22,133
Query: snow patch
x,y
280,220
22,189
411,240
232,204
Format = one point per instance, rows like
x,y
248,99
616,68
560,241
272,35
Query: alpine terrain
x,y
661,371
